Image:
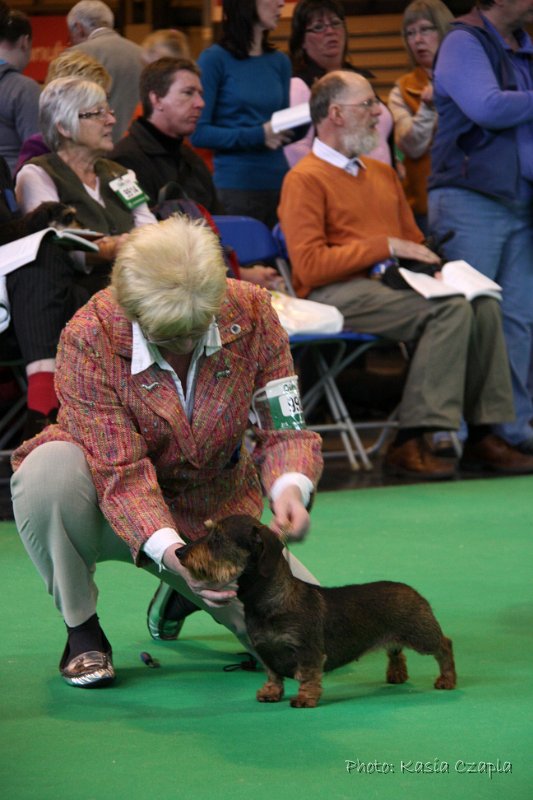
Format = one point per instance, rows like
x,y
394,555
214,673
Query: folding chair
x,y
252,242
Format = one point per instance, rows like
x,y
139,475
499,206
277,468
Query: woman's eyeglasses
x,y
99,113
321,27
423,30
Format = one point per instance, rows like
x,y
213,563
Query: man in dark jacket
x,y
171,96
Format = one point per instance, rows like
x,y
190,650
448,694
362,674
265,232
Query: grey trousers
x,y
460,366
66,535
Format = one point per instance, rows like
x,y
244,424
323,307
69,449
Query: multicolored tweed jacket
x,y
151,467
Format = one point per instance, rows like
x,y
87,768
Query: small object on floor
x,y
167,612
414,459
494,455
147,659
250,665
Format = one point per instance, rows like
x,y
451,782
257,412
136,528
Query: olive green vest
x,y
112,219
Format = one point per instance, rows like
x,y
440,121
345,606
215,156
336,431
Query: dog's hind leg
x,y
397,667
272,691
447,678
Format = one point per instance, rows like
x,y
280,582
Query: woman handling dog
x,y
156,376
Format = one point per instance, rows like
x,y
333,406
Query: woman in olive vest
x,y
76,123
425,22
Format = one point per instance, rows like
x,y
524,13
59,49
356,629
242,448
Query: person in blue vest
x,y
481,184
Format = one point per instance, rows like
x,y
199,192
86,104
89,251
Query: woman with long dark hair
x,y
245,79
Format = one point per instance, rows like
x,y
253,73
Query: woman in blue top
x,y
245,80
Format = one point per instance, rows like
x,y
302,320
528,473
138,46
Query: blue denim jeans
x,y
497,239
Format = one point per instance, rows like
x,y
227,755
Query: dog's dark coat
x,y
300,630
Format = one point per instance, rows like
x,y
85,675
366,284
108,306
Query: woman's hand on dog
x,y
212,594
291,518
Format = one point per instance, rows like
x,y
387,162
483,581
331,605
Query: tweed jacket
x,y
150,466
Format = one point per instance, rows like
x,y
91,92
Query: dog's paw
x,y
303,701
270,693
445,682
397,675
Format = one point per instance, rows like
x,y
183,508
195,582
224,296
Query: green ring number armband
x,y
278,405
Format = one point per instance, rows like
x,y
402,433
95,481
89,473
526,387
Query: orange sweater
x,y
337,225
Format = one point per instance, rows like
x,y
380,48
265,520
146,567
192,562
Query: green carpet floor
x,y
191,730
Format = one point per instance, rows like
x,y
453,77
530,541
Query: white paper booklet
x,y
23,251
290,117
458,278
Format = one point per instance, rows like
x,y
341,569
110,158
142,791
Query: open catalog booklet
x,y
458,278
23,251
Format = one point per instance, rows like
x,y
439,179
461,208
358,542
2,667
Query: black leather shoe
x,y
167,612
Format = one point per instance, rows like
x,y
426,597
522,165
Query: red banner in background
x,y
50,38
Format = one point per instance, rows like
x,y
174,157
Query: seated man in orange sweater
x,y
341,214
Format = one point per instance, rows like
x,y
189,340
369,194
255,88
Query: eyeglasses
x,y
368,104
320,27
424,30
100,113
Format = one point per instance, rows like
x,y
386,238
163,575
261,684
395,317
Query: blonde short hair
x,y
170,277
78,64
166,42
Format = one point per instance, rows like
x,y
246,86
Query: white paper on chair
x,y
306,316
458,278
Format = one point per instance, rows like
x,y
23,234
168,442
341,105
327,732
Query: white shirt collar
x,y
327,153
144,354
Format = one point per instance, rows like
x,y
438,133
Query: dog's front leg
x,y
272,691
310,689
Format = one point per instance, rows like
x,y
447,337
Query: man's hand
x,y
291,518
213,595
267,277
418,252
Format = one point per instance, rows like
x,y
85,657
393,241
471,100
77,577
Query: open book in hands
x,y
23,251
458,278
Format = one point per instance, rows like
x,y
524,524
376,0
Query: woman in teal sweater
x,y
245,80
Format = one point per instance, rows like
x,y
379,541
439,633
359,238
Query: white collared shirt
x,y
143,355
327,153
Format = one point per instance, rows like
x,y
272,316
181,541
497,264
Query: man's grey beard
x,y
359,144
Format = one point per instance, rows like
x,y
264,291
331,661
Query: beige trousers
x,y
66,535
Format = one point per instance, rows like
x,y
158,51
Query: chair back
x,y
250,238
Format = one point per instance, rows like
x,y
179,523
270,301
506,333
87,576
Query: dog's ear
x,y
272,549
